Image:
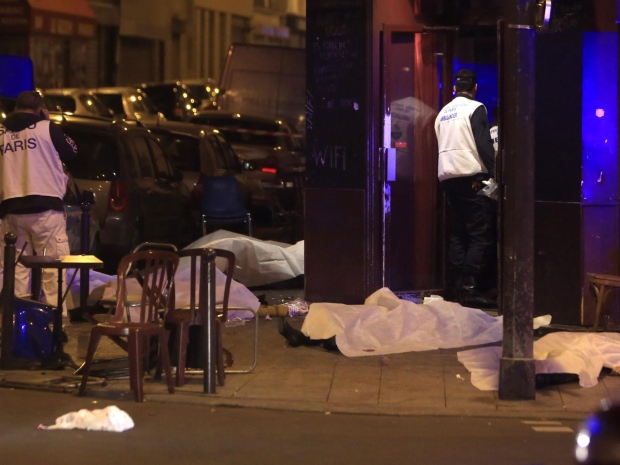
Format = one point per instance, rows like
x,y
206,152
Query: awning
x,y
71,18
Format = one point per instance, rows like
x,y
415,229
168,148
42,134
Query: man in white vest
x,y
466,158
33,184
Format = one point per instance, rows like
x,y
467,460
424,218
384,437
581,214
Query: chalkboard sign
x,y
571,15
336,100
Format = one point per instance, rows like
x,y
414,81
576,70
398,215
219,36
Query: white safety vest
x,y
30,164
458,155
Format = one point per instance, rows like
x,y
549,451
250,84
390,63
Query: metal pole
x,y
206,306
517,375
8,289
84,249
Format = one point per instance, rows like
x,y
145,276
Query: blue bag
x,y
33,337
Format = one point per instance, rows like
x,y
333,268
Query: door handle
x,y
390,164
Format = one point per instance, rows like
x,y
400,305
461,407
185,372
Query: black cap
x,y
465,76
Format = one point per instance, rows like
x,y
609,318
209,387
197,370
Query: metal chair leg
x,y
251,369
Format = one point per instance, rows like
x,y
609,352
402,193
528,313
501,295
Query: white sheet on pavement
x,y
386,324
582,354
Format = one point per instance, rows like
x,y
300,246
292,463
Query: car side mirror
x,y
88,197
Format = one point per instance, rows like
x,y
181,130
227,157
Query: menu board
x,y
336,97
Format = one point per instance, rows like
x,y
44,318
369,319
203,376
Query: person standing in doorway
x,y
33,184
466,158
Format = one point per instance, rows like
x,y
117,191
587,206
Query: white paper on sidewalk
x,y
107,419
386,324
582,354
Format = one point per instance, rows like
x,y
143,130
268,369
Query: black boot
x,y
470,295
294,337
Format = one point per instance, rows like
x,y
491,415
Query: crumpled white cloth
x,y
386,324
582,354
107,419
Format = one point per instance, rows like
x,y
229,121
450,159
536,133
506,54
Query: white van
x,y
265,81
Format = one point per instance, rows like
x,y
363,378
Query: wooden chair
x,y
157,276
132,300
602,285
182,318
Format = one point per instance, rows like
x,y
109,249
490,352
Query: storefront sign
x,y
13,16
19,16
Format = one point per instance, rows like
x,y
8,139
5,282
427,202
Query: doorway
x,y
414,69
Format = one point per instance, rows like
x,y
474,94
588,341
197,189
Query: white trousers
x,y
46,234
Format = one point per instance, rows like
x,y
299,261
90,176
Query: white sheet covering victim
x,y
582,354
257,263
386,324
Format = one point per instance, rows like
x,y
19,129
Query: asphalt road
x,y
173,433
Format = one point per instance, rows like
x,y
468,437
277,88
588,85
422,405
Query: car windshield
x,y
183,150
167,97
113,101
140,103
93,105
60,103
239,131
226,157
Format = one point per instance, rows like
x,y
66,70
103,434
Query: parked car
x,y
271,153
171,98
264,143
197,151
138,194
128,103
75,101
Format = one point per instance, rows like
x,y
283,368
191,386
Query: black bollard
x,y
206,307
84,249
8,289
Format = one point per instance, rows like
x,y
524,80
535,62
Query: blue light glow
x,y
600,117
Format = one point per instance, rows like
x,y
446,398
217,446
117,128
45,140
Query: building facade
x,y
88,43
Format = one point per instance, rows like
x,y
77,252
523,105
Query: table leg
x,y
59,358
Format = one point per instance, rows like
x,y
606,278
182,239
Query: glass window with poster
x,y
49,55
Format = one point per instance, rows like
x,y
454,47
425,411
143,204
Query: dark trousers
x,y
472,226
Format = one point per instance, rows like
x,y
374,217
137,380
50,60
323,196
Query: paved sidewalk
x,y
313,379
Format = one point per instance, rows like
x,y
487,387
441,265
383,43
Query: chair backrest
x,y
133,266
222,197
156,277
196,295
